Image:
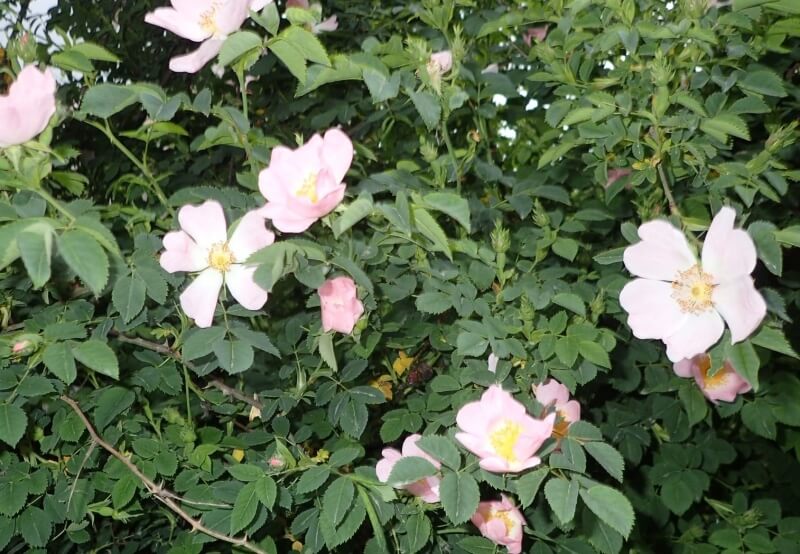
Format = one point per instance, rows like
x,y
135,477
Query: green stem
x,y
243,89
55,204
452,152
186,382
673,206
374,520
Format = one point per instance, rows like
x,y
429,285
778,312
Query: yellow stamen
x,y
208,19
220,257
309,189
505,517
504,438
693,289
717,380
561,426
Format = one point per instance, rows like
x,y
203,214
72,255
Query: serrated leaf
x,y
312,479
36,246
722,125
86,257
98,356
460,495
410,469
307,44
773,339
450,204
290,56
105,100
528,485
234,356
428,107
35,526
427,225
611,507
434,302
128,296
593,352
237,45
266,491
326,351
562,496
13,423
763,82
571,302
58,358
244,508
608,457
354,213
418,531
744,360
337,500
442,449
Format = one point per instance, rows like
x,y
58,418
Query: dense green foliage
x,y
482,215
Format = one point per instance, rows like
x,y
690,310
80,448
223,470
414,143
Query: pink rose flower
x,y
539,33
683,302
616,174
554,393
724,385
305,184
340,305
208,22
440,63
428,488
498,430
27,108
501,522
203,246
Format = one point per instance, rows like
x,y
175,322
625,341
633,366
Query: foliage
x,y
485,213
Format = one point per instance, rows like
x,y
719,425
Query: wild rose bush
x,y
401,277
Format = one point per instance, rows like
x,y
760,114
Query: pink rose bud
x,y
685,302
501,522
552,393
202,245
27,108
276,462
20,347
428,488
340,305
305,184
539,33
498,430
440,63
724,385
208,22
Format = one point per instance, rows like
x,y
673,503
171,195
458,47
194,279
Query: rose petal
x,y
741,305
250,236
384,467
652,312
204,223
728,253
239,280
337,153
178,23
661,254
698,333
195,61
686,367
199,300
182,253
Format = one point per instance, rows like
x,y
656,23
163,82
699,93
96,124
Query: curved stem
x,y
673,206
47,197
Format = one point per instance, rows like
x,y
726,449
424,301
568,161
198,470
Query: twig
x,y
161,494
167,351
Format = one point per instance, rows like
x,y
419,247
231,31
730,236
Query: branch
x,y
162,495
167,351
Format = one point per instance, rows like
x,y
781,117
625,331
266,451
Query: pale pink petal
x,y
495,464
204,223
410,448
535,432
725,385
652,312
258,5
661,254
384,467
442,61
250,236
551,392
571,411
285,221
339,305
199,300
28,107
474,443
194,61
698,333
495,530
741,305
337,153
239,280
728,253
231,17
327,25
685,367
178,23
473,418
426,489
182,253
493,363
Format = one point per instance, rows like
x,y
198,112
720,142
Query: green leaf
x,y
562,496
245,472
128,296
611,507
258,340
478,545
106,100
234,356
427,225
307,44
434,302
381,85
266,491
571,302
442,449
557,151
769,250
593,352
790,235
418,531
354,213
13,423
244,508
312,479
326,351
608,457
110,403
290,56
609,257
763,82
528,485
201,342
428,107
773,339
86,257
35,526
410,469
725,124
95,52
81,494
237,45
337,500
58,358
745,361
566,248
460,496
35,247
450,204
123,491
97,355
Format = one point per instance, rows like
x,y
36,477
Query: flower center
x,y
308,189
505,517
693,290
504,438
208,19
714,381
561,426
220,257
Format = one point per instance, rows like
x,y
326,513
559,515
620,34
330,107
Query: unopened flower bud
x,y
501,239
276,462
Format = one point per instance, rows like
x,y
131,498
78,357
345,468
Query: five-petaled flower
x,y
683,302
498,430
203,246
725,384
305,184
554,393
428,488
501,522
27,108
208,22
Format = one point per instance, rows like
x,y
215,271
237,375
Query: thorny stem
x,y
162,495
